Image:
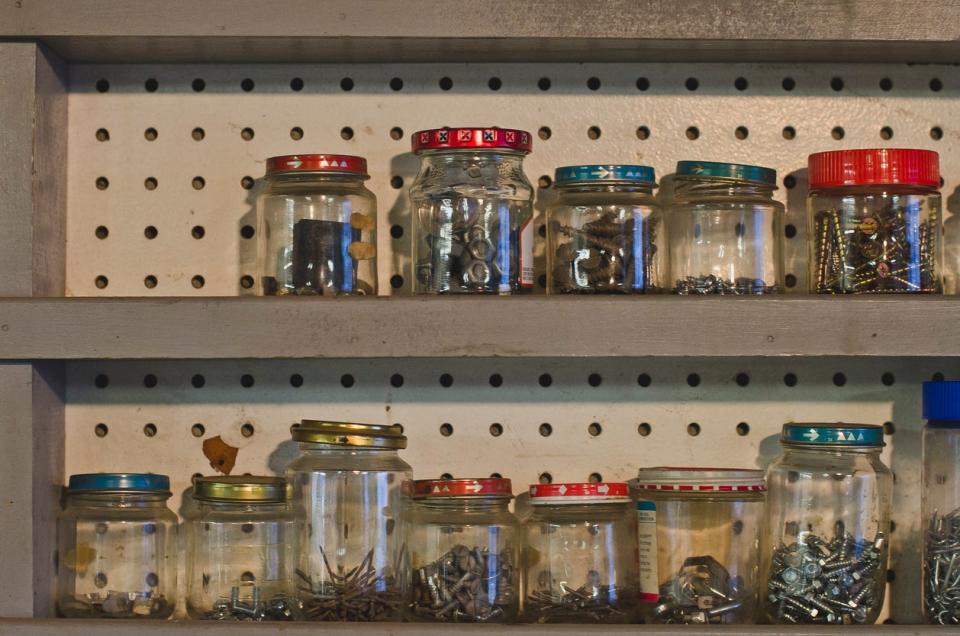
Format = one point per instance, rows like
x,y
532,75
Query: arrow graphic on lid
x,y
296,163
475,487
602,172
813,435
604,489
562,489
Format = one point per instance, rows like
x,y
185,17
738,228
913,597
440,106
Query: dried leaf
x,y
362,222
362,251
80,558
222,456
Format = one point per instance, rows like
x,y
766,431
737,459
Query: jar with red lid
x,y
316,227
464,549
580,554
874,222
472,208
698,532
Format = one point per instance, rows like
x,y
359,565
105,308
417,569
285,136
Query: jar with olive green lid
x,y
346,490
239,566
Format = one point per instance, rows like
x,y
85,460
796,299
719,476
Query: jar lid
x,y
836,434
445,138
119,482
941,400
579,493
874,166
491,487
240,489
669,478
612,172
349,434
734,171
317,163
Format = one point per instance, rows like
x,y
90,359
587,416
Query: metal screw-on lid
x,y
247,488
119,482
732,171
714,480
579,493
604,173
346,164
832,434
487,487
451,138
349,434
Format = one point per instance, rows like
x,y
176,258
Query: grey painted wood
x,y
408,30
477,327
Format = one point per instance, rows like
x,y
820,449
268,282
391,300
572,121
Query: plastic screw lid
x,y
874,166
317,163
119,482
445,138
734,171
612,172
579,493
941,400
701,479
837,434
491,487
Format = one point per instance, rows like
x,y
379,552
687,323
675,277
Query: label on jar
x,y
526,254
647,542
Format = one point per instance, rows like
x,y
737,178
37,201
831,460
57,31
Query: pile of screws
x,y
359,594
941,572
701,592
465,585
891,251
557,602
820,581
710,284
602,255
279,608
118,605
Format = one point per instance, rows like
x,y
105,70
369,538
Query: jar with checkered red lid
x,y
698,530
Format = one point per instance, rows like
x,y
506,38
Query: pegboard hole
x,y
743,429
445,83
644,429
198,134
839,379
644,380
446,429
296,84
887,379
542,281
595,478
546,429
790,230
247,231
101,430
198,282
643,133
889,428
886,132
296,133
198,381
788,84
790,379
693,379
741,133
544,83
150,281
741,83
693,133
643,84
789,182
495,83
396,84
246,281
594,379
496,380
446,476
150,430
594,132
346,133
544,182
102,134
693,429
150,183
247,380
790,281
742,379
247,183
936,85
197,430
396,380
247,134
247,430
197,232
150,232
446,380
101,232
692,83
103,86
346,84
886,84
593,83
545,478
496,476
891,576
150,134
936,133
101,381
837,133
544,133
937,377
102,183
594,429
396,133
396,182
198,183
347,380
198,85
150,380
101,281
789,132
396,231
496,430
296,380
247,85
836,83
396,281
545,380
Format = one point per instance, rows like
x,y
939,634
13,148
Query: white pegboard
x,y
115,395
918,101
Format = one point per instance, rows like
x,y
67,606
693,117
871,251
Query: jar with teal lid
x,y
825,541
603,232
117,547
725,230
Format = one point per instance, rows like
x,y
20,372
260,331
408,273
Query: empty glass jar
x,y
464,552
316,227
238,565
347,492
698,532
824,548
580,554
602,231
725,229
117,547
472,209
875,222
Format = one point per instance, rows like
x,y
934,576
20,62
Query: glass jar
x,y
824,547
237,557
698,531
874,222
347,491
316,227
725,229
580,554
941,501
464,552
602,231
117,547
472,209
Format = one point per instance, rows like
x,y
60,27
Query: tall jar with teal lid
x,y
725,229
603,232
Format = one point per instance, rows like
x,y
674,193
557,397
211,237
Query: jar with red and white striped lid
x,y
698,535
580,554
464,551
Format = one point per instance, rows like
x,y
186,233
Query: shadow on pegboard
x,y
247,230
951,242
400,226
795,231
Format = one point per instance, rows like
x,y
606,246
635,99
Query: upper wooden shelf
x,y
534,326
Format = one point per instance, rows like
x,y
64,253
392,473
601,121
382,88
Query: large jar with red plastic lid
x,y
464,551
472,208
316,227
874,222
580,554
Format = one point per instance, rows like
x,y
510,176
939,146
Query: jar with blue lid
x,y
825,541
603,231
941,502
725,230
117,547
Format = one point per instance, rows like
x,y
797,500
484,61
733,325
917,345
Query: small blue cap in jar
x,y
614,172
810,434
941,400
737,171
119,482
